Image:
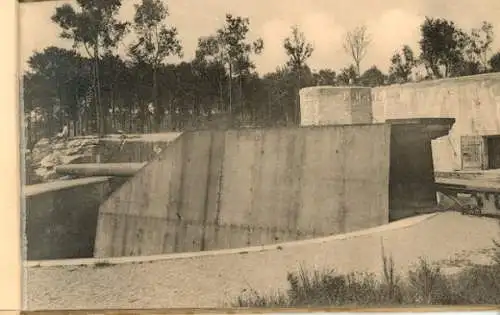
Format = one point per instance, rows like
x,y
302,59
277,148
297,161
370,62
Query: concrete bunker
x,y
208,190
336,173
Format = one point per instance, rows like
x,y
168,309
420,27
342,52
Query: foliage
x,y
348,76
56,83
373,77
494,62
480,41
448,51
155,41
325,77
442,46
98,89
298,51
424,285
402,64
93,25
230,47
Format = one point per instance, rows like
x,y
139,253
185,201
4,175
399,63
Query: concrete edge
x,y
425,83
38,189
401,224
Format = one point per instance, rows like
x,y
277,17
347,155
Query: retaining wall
x,y
61,217
473,101
235,188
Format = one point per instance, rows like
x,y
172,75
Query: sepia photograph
x,y
180,154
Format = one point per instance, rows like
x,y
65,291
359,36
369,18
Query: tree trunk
x,y
230,84
28,135
221,95
156,104
96,97
242,108
296,114
101,123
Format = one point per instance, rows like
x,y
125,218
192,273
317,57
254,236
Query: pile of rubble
x,y
47,154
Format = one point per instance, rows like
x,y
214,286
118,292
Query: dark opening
x,y
493,145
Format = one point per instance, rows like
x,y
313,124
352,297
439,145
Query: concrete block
x,y
329,105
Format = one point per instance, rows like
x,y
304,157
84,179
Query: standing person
x,y
64,134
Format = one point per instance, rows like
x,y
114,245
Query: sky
x,y
390,23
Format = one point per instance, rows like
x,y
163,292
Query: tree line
x,y
104,92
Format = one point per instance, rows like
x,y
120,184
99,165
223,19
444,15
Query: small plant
x,y
102,264
429,285
251,298
424,285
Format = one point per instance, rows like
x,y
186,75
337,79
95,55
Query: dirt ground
x,y
449,239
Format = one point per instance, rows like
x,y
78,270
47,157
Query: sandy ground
x,y
449,239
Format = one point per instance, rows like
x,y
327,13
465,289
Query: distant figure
x,y
64,133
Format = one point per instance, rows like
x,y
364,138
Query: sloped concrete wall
x,y
473,101
226,189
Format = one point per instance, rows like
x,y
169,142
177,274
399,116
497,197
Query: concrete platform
x,y
469,185
493,174
481,193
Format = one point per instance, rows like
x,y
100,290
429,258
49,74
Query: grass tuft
x,y
424,285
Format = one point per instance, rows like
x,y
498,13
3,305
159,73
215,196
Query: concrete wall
x,y
473,101
226,189
329,105
61,217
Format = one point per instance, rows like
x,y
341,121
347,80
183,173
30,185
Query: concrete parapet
x,y
329,105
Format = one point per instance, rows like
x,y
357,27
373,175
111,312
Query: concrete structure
x,y
481,190
411,183
61,217
329,105
235,188
473,101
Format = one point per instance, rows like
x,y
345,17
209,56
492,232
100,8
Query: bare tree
x,y
356,44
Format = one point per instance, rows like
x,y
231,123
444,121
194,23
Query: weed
x,y
102,264
424,285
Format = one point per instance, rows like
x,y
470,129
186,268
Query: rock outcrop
x,y
47,154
